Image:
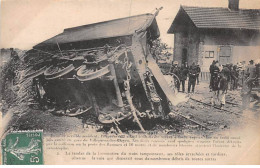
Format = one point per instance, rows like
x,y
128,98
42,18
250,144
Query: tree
x,y
160,50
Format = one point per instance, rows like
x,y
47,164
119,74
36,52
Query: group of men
x,y
229,76
180,75
234,73
222,78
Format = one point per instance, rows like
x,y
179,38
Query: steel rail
x,y
196,122
225,110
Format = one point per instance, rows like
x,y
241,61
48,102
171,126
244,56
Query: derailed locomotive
x,y
105,67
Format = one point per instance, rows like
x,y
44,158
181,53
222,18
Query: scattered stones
x,y
223,126
190,116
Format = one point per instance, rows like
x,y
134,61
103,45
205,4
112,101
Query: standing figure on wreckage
x,y
10,76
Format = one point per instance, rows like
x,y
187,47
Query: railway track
x,y
192,120
233,103
232,112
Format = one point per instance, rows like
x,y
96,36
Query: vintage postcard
x,y
166,82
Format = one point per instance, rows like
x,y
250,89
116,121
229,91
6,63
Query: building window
x,y
225,54
209,54
225,51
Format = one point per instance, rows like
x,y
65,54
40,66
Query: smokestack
x,y
233,5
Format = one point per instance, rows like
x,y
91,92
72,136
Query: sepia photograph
x,y
130,82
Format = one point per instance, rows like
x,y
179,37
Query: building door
x,y
184,56
224,55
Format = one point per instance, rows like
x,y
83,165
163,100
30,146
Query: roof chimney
x,y
233,5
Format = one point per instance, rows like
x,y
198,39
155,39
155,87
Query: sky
x,y
25,23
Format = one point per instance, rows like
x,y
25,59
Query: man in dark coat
x,y
251,70
175,69
230,67
183,76
215,84
211,73
250,74
234,77
226,72
192,77
222,90
215,70
198,73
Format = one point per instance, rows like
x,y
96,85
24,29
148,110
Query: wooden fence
x,y
205,76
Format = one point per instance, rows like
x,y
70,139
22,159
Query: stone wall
x,y
189,42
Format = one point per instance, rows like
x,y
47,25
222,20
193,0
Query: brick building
x,y
229,35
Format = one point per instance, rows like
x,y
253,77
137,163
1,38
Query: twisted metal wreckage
x,y
105,67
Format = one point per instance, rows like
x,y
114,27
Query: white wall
x,y
239,53
206,62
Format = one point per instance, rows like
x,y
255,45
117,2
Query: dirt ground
x,y
215,120
231,117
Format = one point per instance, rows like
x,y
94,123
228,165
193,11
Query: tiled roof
x,y
101,30
214,17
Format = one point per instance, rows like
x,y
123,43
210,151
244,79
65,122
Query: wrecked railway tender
x,y
105,67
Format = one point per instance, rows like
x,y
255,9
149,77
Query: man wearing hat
x,y
211,68
250,73
175,69
192,77
198,70
234,77
226,72
250,70
222,90
183,76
